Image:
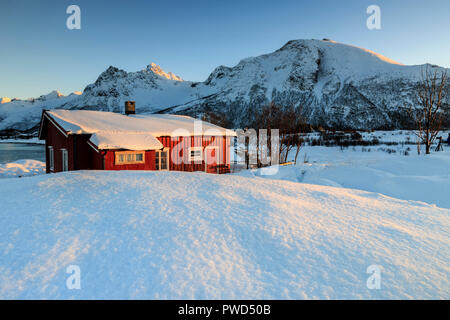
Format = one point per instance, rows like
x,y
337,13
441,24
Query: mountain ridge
x,y
330,83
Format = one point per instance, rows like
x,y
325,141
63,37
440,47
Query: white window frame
x,y
196,158
64,160
166,150
129,157
51,158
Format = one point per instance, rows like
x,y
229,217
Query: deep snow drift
x,y
192,235
22,168
383,169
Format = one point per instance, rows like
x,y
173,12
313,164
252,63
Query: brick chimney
x,y
130,107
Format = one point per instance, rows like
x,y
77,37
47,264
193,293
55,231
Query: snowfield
x,y
177,235
382,169
22,168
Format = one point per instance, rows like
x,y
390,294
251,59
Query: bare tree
x,y
288,121
216,118
298,142
428,117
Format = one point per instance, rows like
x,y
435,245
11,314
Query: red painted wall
x,y
84,156
182,145
81,156
148,165
58,141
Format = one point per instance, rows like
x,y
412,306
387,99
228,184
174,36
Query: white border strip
x,y
54,123
93,147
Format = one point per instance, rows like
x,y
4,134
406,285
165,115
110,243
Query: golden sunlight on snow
x,y
381,57
157,70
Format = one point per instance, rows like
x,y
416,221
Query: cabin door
x,y
211,159
162,159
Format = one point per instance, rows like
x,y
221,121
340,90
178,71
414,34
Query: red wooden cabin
x,y
95,140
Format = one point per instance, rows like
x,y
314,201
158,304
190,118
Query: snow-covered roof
x,y
134,132
123,140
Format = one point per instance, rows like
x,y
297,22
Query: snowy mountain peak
x,y
153,67
339,48
5,100
52,95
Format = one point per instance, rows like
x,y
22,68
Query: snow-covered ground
x,y
380,168
309,231
22,168
391,136
195,235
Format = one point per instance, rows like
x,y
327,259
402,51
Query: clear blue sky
x,y
192,37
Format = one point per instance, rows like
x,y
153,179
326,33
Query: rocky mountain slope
x,y
331,84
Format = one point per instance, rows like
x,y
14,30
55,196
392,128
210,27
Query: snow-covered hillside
x,y
24,115
151,88
335,84
193,235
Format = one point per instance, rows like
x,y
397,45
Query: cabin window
x,y
129,157
162,159
51,159
65,160
195,154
